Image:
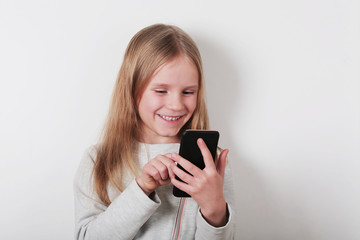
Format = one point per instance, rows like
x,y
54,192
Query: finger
x,y
171,172
161,168
184,176
181,185
164,182
151,171
222,162
208,159
166,159
168,162
188,166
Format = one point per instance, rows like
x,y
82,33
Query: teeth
x,y
169,118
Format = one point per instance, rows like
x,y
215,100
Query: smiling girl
x,y
123,187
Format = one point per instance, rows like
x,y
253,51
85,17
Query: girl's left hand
x,y
205,186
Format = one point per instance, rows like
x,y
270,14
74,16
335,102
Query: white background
x,y
282,88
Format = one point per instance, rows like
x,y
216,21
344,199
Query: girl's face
x,y
168,101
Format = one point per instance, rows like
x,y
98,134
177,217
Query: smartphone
x,y
191,151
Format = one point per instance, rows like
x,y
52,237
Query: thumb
x,y
222,162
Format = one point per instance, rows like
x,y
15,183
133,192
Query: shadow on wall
x,y
222,82
256,205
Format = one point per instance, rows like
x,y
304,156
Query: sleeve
x,y
120,220
204,230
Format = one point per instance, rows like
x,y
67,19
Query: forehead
x,y
179,71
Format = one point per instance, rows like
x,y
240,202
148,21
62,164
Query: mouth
x,y
170,118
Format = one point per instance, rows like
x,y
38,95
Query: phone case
x,y
190,151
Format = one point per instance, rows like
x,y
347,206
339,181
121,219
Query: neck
x,y
160,140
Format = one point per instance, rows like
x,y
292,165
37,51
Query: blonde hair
x,y
149,49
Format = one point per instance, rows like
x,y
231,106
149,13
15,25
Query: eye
x,y
188,92
162,91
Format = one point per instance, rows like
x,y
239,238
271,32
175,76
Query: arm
x,y
207,231
120,220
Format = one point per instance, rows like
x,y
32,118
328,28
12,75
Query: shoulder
x,y
86,165
83,181
89,155
91,152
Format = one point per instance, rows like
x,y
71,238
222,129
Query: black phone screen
x,y
190,150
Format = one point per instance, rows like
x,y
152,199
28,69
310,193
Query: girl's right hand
x,y
157,172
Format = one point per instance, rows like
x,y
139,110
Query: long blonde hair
x,y
149,49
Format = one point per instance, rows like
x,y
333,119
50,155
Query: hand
x,y
205,186
157,172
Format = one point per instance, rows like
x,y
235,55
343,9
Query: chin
x,y
170,134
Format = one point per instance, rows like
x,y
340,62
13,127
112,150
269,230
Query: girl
x,y
122,186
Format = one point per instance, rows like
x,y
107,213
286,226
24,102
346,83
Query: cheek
x,y
149,105
191,104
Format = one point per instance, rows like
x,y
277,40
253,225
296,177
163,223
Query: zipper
x,y
178,219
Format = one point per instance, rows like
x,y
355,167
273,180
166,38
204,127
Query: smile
x,y
169,118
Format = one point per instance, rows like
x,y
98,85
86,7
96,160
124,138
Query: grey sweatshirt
x,y
133,215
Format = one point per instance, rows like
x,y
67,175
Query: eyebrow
x,y
166,85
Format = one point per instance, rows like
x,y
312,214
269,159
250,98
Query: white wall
x,y
282,86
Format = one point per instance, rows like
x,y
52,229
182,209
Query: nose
x,y
175,102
